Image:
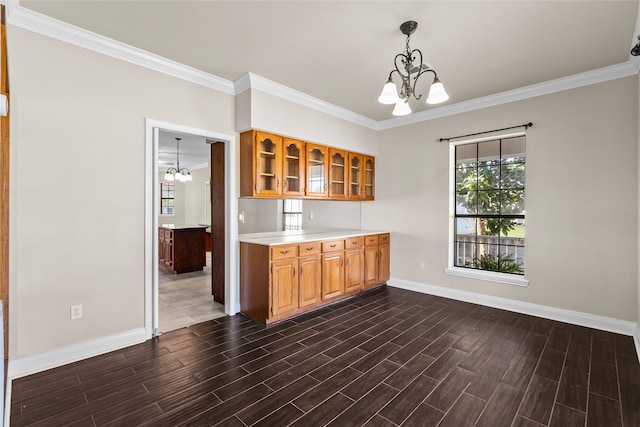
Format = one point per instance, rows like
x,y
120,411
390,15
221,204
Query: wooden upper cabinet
x,y
338,173
356,176
278,167
293,166
260,164
317,157
369,178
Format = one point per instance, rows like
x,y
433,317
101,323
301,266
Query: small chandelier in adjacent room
x,y
176,173
635,51
407,71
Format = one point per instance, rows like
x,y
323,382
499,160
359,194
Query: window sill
x,y
509,279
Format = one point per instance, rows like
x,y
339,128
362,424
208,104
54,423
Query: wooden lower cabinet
x,y
284,286
377,253
309,280
281,281
181,250
332,275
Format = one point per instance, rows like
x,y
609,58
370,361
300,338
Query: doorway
x,y
163,291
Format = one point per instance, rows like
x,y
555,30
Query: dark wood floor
x,y
390,357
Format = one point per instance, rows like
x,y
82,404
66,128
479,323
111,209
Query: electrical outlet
x,y
421,265
310,215
76,312
241,217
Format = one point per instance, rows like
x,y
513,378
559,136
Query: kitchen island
x,y
181,248
284,274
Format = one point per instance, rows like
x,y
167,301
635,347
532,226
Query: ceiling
x,y
194,151
342,51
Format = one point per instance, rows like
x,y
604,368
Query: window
x,y
292,210
489,219
167,192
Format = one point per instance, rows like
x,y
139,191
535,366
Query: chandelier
x,y
409,73
176,173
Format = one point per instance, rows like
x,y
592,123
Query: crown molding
x,y
41,24
254,81
600,75
47,26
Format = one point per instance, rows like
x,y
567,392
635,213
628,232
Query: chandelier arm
x,y
406,89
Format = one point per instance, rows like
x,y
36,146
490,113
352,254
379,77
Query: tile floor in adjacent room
x,y
388,357
185,299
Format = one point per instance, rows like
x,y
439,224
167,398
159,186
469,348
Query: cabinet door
x,y
284,286
354,270
293,166
168,248
332,275
337,174
268,164
371,265
384,252
369,178
356,176
317,162
309,279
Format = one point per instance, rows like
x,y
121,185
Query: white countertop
x,y
299,236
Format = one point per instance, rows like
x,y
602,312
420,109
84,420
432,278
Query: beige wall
x,y
78,237
582,198
283,117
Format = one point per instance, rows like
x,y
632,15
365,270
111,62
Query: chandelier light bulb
x,y
168,176
437,94
389,94
402,108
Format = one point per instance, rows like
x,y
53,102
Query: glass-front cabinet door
x,y
338,174
317,162
268,157
293,166
356,170
369,180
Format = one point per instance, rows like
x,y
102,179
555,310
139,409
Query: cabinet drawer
x,y
310,248
283,252
353,242
383,238
371,240
161,233
333,245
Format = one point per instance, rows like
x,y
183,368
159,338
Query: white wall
x,y
582,198
79,238
194,193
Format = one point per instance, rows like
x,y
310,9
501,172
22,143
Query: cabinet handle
x,y
294,272
300,270
284,252
341,262
277,183
333,246
310,248
354,242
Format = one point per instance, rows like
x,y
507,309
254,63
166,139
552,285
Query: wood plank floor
x,y
389,357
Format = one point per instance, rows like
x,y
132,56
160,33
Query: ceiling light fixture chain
x,y
176,173
405,69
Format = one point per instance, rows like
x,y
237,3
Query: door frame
x,y
231,299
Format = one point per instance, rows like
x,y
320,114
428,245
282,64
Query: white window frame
x,y
451,270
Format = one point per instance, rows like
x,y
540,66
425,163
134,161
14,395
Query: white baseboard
x,y
42,361
568,316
